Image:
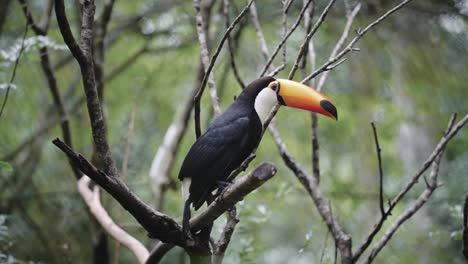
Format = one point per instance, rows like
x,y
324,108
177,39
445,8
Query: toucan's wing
x,y
214,154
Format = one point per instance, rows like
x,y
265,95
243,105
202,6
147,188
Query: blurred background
x,y
409,76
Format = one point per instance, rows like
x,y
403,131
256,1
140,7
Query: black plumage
x,y
227,142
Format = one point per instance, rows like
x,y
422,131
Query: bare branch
x,y
379,158
205,54
349,22
438,149
226,200
27,13
231,46
451,131
13,75
315,149
83,54
92,200
163,161
259,31
284,25
285,38
159,225
212,61
50,76
409,211
305,43
223,242
342,239
350,47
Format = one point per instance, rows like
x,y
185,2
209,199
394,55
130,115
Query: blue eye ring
x,y
274,86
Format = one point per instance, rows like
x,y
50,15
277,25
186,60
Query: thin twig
x,y
451,131
305,43
225,238
211,64
13,75
379,158
409,211
315,148
349,22
350,47
231,46
202,34
50,77
284,25
285,38
259,31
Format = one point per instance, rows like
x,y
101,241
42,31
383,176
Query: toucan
x,y
234,134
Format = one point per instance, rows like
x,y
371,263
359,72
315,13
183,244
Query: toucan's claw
x,y
223,184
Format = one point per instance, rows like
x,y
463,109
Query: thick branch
x,y
228,198
159,225
83,54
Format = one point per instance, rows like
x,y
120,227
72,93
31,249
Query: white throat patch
x,y
264,103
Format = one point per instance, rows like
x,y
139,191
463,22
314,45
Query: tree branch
x,y
409,211
332,63
226,200
305,43
285,38
379,158
159,225
223,242
92,200
451,131
211,63
342,239
231,45
349,22
83,54
50,76
13,75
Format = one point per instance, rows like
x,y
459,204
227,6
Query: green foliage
x,y
5,166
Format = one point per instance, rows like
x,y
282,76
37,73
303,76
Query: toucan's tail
x,y
186,217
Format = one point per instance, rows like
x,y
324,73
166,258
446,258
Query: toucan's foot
x,y
187,234
223,184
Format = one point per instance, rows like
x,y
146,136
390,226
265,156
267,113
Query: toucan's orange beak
x,y
297,95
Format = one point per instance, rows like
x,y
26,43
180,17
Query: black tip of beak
x,y
329,107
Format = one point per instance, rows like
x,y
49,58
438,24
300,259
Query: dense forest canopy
x,y
407,75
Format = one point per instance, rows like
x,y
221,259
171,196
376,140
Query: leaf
x,y
6,166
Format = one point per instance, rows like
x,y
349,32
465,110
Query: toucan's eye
x,y
274,86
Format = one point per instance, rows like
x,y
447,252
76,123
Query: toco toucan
x,y
233,135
